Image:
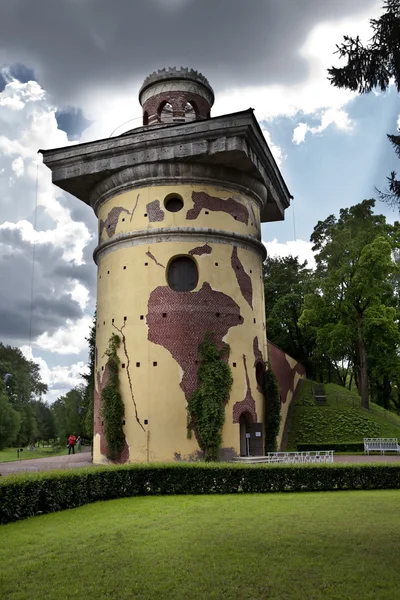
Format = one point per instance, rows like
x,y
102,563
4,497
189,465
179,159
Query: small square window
x,y
164,315
112,320
217,314
216,264
138,364
146,264
124,268
251,271
123,220
123,421
233,364
125,318
145,214
123,365
146,422
141,317
254,320
154,364
235,217
206,212
108,272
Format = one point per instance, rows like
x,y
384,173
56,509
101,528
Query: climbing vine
x,y
206,406
272,402
112,406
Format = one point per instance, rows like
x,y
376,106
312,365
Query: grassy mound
x,y
342,420
255,547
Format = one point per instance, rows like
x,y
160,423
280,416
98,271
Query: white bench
x,y
322,456
381,445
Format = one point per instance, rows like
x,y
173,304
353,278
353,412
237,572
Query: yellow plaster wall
x,y
124,286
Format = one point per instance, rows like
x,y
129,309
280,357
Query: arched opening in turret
x,y
145,118
165,112
191,112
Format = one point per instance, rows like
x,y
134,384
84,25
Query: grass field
x,y
341,420
10,454
340,545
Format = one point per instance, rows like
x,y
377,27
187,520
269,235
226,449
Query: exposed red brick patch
x,y
199,250
97,424
243,279
258,360
110,224
154,211
153,258
283,371
189,316
230,206
247,405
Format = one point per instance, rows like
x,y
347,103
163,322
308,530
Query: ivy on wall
x,y
112,406
206,406
272,406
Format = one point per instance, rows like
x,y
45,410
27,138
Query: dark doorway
x,y
243,431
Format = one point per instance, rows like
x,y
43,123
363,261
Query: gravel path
x,y
83,459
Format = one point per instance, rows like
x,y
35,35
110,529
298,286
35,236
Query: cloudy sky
x,y
70,72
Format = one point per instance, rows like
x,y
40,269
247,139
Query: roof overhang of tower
x,y
232,142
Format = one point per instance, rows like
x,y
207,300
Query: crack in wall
x,y
134,208
150,255
120,331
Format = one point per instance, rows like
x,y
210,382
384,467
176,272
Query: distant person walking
x,y
79,443
71,444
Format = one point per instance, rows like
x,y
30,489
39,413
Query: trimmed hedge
x,y
28,495
337,447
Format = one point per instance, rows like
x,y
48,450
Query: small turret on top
x,y
175,96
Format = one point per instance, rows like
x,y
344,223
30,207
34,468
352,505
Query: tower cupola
x,y
175,95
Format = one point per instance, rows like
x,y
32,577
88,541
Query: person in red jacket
x,y
71,443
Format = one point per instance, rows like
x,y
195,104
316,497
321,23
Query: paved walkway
x,y
81,459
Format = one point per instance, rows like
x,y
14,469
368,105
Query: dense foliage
x,y
286,283
206,407
374,66
24,496
112,406
272,409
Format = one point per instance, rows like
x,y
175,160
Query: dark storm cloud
x,y
72,121
20,72
52,306
74,45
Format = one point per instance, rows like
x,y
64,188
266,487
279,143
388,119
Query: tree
x,y
69,413
286,283
89,378
46,429
374,65
10,419
354,309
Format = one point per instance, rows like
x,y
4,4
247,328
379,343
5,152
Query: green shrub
x,y
337,447
24,496
112,406
206,406
272,408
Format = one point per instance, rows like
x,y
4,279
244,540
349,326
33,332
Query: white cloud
x,y
299,248
70,339
276,151
27,123
332,116
59,379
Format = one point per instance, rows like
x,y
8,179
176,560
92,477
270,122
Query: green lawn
x,y
341,420
337,545
10,454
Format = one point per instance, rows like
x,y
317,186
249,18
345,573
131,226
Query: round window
x,y
182,275
173,203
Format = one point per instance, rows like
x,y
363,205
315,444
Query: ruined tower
x,y
180,202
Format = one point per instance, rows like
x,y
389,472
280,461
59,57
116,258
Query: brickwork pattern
x,y
154,211
178,100
285,374
110,224
202,200
199,250
248,405
179,321
243,279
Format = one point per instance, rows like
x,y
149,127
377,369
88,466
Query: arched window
x,y
145,118
190,112
182,275
165,112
